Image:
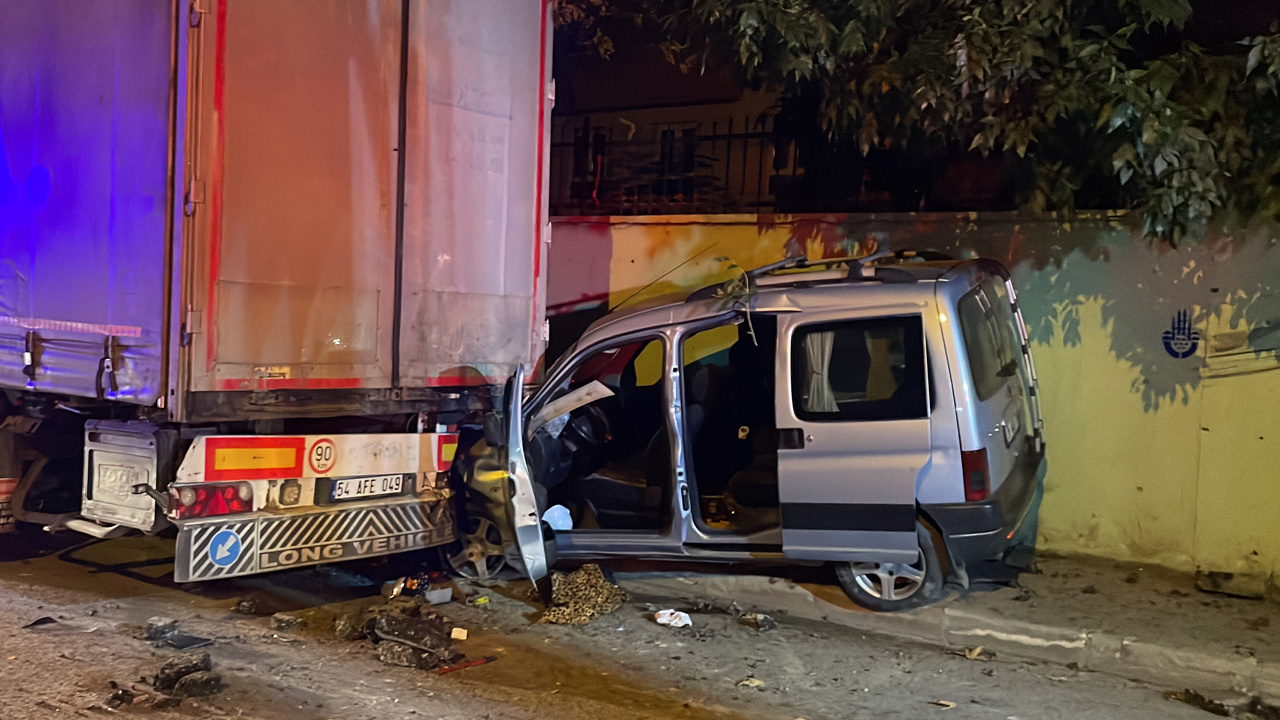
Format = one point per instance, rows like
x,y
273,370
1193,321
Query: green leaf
x,y
1255,56
1166,12
1104,116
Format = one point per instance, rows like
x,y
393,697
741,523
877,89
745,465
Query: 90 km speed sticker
x,y
321,456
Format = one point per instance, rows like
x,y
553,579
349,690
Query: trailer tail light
x,y
197,501
977,474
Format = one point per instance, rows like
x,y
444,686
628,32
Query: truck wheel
x,y
889,587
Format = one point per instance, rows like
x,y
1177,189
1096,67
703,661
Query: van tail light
x,y
208,500
977,474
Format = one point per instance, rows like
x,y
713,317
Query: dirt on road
x,y
620,665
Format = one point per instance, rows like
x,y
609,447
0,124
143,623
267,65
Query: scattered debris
x,y
249,605
120,697
46,620
1089,590
201,683
1195,699
750,682
285,622
350,626
419,584
479,600
1244,585
976,653
1132,578
458,634
469,664
759,621
1024,595
944,704
424,641
1228,704
672,618
579,597
1259,623
180,666
393,653
159,628
182,641
439,596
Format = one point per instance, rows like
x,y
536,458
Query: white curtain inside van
x,y
817,349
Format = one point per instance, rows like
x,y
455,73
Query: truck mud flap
x,y
223,547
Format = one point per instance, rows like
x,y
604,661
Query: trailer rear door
x,y
300,281
294,169
476,110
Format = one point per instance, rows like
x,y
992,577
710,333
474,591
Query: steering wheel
x,y
592,425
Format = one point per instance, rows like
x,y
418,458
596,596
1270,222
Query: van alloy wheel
x,y
481,557
894,586
890,581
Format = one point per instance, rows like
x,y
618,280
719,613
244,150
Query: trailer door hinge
x,y
546,331
197,11
190,326
195,196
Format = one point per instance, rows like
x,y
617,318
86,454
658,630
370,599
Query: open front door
x,y
853,434
523,506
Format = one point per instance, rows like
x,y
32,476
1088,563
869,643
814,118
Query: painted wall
x,y
1159,369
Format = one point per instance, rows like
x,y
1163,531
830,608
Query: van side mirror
x,y
494,429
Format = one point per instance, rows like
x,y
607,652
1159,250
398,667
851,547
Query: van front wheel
x,y
888,587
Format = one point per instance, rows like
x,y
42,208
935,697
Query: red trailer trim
x,y
542,140
215,179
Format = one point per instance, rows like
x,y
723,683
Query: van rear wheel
x,y
889,587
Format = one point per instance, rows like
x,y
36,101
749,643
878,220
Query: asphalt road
x,y
622,665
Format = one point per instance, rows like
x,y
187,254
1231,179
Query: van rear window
x,y
986,322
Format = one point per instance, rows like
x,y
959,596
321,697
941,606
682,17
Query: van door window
x,y
986,322
609,463
859,370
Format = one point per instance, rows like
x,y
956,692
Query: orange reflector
x,y
446,449
253,458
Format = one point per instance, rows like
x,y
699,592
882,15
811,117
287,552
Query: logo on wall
x,y
1181,340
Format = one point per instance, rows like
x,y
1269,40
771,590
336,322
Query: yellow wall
x,y
1152,457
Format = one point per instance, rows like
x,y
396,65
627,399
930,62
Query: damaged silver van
x,y
878,414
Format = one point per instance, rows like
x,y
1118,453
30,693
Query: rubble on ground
x,y
159,628
185,675
579,597
285,622
404,633
181,665
201,683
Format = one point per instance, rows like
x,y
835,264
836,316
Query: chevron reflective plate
x,y
214,548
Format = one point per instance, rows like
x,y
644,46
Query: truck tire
x,y
890,587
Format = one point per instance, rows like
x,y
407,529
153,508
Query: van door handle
x,y
790,439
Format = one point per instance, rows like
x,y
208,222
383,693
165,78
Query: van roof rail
x,y
858,267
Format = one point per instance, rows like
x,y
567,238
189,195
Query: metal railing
x,y
603,164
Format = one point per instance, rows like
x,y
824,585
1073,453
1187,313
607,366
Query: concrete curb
x,y
958,626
